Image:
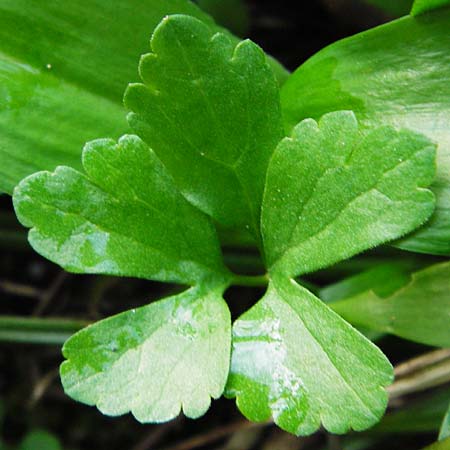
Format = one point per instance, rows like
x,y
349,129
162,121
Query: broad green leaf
x,y
296,360
423,6
40,440
419,311
332,192
210,110
155,360
125,217
395,74
45,121
63,70
444,432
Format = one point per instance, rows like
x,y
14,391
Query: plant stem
x,y
38,331
427,371
250,280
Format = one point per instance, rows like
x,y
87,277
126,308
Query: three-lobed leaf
x,y
155,360
332,192
396,74
125,217
210,110
298,361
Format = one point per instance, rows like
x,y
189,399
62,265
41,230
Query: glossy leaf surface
x,y
419,311
296,360
125,217
394,74
332,192
210,110
155,360
63,70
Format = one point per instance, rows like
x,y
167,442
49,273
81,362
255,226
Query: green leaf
x,y
332,192
40,440
66,88
295,359
420,311
395,74
444,432
125,217
383,279
423,6
210,110
153,360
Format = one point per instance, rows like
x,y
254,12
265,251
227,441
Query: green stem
x,y
37,330
250,280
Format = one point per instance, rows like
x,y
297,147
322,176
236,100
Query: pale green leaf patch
x,y
296,360
154,361
210,110
332,192
125,217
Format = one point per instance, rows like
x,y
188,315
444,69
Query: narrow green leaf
x,y
444,432
395,74
155,360
210,110
423,6
126,217
295,359
332,192
420,311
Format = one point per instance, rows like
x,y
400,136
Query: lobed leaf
x,y
332,192
155,360
63,70
296,360
395,74
210,110
125,217
66,88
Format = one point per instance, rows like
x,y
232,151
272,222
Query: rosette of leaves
x,y
210,149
